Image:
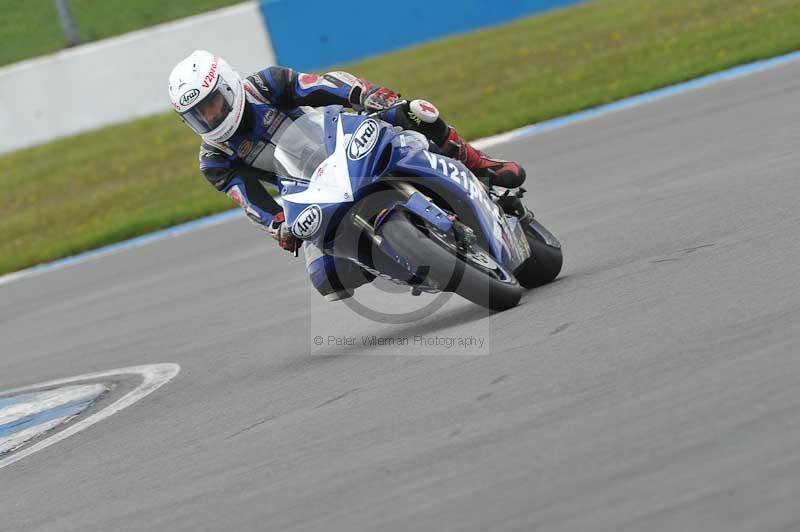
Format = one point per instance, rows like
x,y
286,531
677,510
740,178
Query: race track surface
x,y
655,386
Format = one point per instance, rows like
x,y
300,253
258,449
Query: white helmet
x,y
208,95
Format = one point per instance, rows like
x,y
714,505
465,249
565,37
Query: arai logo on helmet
x,y
307,222
189,96
363,140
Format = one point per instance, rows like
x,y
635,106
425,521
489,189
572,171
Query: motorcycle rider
x,y
238,120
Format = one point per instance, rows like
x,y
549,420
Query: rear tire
x,y
489,285
546,259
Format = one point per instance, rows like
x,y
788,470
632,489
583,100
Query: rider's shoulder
x,y
271,80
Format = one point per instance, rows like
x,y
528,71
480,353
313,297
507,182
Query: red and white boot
x,y
496,171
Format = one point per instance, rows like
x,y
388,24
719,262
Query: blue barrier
x,y
310,34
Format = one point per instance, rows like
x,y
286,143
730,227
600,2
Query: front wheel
x,y
473,274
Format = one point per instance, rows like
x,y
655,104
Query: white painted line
x,y
18,438
510,136
154,376
112,249
31,415
49,399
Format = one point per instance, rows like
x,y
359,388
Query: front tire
x,y
474,275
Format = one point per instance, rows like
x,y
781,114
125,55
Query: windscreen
x,y
300,149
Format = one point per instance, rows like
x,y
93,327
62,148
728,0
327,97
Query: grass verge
x,y
82,192
33,29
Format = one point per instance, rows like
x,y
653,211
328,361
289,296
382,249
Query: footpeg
x,y
464,235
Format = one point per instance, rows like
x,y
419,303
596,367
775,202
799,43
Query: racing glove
x,y
377,99
281,233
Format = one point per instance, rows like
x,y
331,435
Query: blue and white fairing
x,y
328,159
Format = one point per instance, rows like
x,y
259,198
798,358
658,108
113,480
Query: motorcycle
x,y
360,189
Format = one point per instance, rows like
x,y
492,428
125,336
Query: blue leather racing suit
x,y
274,97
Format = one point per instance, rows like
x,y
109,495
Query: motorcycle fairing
x,y
385,155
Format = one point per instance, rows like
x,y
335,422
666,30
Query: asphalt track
x,y
655,386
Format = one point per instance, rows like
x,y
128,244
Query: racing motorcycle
x,y
360,189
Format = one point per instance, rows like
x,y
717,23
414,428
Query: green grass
x,y
93,189
30,28
587,55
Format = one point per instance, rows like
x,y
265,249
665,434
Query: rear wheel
x,y
471,273
546,259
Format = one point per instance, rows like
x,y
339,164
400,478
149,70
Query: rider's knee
x,y
330,276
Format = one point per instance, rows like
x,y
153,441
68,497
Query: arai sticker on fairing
x,y
307,222
363,140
